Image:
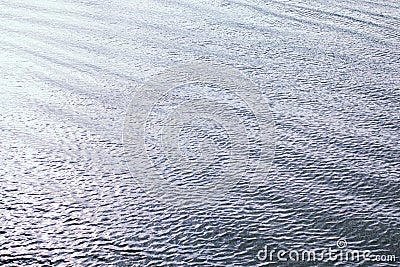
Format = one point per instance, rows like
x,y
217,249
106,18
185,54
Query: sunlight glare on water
x,y
69,69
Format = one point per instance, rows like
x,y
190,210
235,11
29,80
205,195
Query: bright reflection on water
x,y
69,69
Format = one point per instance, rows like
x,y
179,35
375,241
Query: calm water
x,y
69,69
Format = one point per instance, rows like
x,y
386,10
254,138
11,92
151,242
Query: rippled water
x,y
69,69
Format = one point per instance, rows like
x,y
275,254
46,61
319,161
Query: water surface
x,y
68,70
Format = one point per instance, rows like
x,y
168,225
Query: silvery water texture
x,y
69,70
